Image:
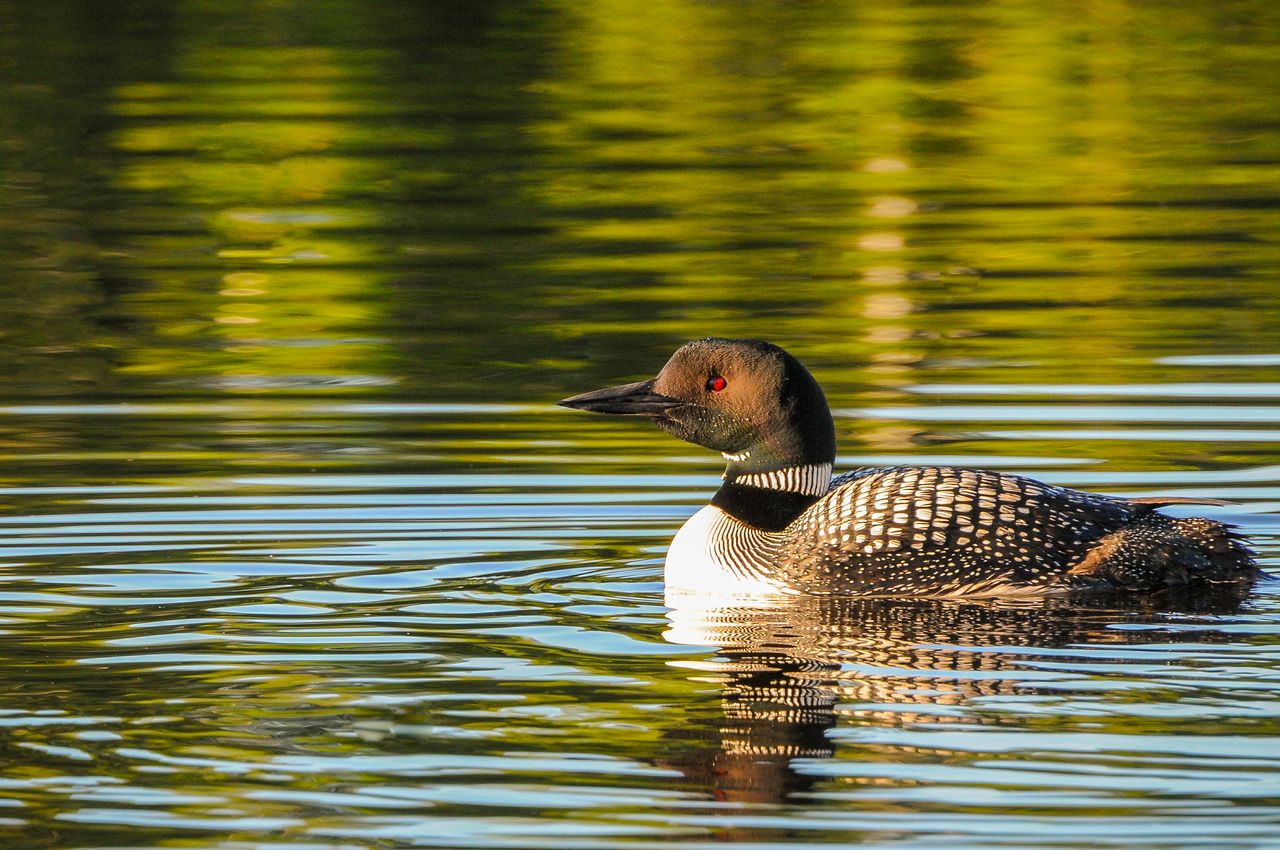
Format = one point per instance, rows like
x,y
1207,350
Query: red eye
x,y
716,383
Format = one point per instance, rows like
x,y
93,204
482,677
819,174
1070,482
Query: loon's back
x,y
965,531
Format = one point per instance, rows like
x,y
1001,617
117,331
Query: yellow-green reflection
x,y
237,144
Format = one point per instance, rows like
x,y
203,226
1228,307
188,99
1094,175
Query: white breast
x,y
715,558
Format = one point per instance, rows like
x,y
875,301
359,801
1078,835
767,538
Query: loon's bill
x,y
636,399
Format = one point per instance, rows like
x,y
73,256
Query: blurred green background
x,y
476,201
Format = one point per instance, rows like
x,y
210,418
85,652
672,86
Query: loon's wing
x,y
942,530
1153,502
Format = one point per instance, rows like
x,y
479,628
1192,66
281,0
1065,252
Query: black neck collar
x,y
767,510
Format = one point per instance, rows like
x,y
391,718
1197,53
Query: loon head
x,y
749,400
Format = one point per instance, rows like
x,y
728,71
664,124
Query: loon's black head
x,y
749,400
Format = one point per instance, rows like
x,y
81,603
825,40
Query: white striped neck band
x,y
812,480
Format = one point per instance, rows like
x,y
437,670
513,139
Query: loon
x,y
781,525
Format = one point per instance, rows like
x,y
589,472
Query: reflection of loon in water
x,y
789,671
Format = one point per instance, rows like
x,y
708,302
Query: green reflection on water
x,y
433,198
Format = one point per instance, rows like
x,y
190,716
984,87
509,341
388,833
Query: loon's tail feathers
x,y
1225,546
1156,551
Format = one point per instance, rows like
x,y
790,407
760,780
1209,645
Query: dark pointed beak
x,y
636,399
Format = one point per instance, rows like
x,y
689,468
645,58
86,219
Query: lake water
x,y
298,553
